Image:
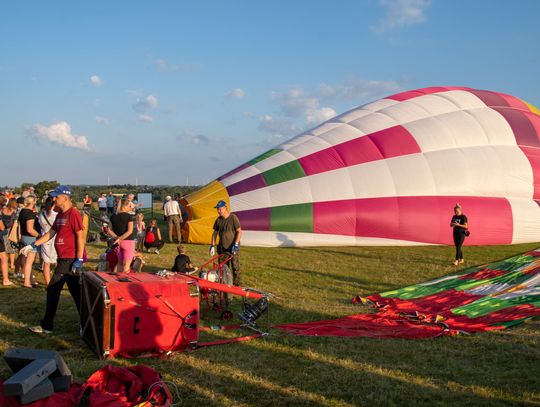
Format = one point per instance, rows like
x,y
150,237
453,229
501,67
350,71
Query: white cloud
x,y
103,120
60,133
300,108
193,137
282,127
144,118
298,103
320,115
236,93
96,80
144,105
164,66
401,13
313,107
295,102
200,139
357,89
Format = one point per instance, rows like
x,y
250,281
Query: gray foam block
x,y
61,383
29,377
38,392
18,358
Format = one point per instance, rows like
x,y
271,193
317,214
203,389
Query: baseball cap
x,y
220,204
61,190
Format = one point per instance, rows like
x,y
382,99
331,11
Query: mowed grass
x,y
495,368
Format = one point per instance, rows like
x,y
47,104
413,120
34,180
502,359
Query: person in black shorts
x,y
459,223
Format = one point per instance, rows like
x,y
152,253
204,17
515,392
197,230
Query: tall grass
x,y
496,368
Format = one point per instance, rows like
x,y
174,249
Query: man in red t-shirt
x,y
69,244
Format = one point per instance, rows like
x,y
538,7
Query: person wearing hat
x,y
227,227
69,245
172,212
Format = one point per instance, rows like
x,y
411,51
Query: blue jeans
x,y
26,240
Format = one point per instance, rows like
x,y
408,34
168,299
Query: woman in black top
x,y
30,230
460,226
122,231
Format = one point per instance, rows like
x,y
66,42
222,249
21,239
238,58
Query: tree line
x,y
159,192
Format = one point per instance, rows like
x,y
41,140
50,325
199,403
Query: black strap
x,y
46,219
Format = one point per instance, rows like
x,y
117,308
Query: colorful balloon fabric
x,y
490,297
390,173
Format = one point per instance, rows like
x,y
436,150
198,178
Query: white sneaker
x,y
38,330
156,251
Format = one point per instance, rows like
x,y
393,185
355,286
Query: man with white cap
x,y
69,244
172,212
227,228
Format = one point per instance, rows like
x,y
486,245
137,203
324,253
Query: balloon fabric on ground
x,y
490,297
389,173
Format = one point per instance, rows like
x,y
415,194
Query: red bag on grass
x,y
113,386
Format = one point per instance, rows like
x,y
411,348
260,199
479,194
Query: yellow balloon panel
x,y
533,108
203,213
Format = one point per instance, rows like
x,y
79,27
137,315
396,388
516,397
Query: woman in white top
x,y
48,252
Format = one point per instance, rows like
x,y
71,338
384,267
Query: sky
x,y
176,92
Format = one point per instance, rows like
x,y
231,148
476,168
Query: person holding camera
x,y
69,244
460,226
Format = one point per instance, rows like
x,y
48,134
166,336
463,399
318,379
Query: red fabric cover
x,y
114,386
59,399
414,319
435,304
380,325
110,386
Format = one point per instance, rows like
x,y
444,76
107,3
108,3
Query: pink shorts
x,y
126,250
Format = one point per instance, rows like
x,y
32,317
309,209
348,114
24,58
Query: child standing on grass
x,y
141,232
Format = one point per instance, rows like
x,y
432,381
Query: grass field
x,y
496,368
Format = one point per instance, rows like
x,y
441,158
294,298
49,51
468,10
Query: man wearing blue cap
x,y
227,227
69,244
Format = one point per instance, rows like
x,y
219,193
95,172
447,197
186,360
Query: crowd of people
x,y
51,229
